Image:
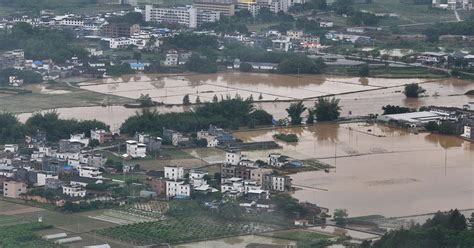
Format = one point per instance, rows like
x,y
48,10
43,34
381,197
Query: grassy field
x,y
299,235
58,96
182,230
22,235
408,14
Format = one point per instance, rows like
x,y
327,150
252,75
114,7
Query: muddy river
x,y
379,170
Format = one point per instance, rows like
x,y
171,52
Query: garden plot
x,y
183,229
123,217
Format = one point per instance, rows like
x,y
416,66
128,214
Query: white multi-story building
x,y
174,172
80,138
177,189
171,59
135,149
186,16
468,132
118,43
453,4
75,22
196,178
41,178
13,148
74,190
233,157
91,172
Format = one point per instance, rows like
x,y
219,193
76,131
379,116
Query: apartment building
x,y
186,16
224,7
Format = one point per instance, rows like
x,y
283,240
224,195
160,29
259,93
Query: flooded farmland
x,y
360,96
379,170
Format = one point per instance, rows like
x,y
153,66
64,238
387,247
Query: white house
x,y
80,138
91,172
10,148
468,132
196,178
41,178
233,157
74,191
135,149
177,189
174,172
276,160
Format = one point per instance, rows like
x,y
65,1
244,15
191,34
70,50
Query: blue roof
x,y
137,65
37,62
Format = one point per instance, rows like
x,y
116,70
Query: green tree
x,y
145,100
215,99
186,100
413,90
432,126
327,109
245,67
364,70
198,100
201,64
310,119
340,216
294,112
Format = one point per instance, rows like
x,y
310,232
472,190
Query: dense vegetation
x,y
227,113
286,137
327,109
11,130
393,109
29,77
413,90
22,235
40,43
445,229
294,112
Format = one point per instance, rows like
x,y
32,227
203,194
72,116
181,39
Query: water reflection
x,y
444,141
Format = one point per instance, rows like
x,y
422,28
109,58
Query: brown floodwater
x,y
361,96
384,171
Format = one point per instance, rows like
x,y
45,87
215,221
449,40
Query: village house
x,y
91,172
74,191
276,182
14,189
177,189
136,149
152,143
432,57
101,135
174,173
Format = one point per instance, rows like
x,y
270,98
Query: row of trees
x,y
325,109
40,43
227,113
445,229
12,130
28,76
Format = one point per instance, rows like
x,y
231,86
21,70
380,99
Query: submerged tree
x,y
327,109
413,90
186,100
294,112
145,100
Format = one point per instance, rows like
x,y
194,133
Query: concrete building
x,y
186,16
90,172
74,190
413,119
152,143
276,182
282,44
136,149
12,148
468,132
177,189
258,174
174,173
101,135
116,30
233,157
453,4
224,7
13,189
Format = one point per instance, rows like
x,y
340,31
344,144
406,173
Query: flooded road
x,y
379,170
361,96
